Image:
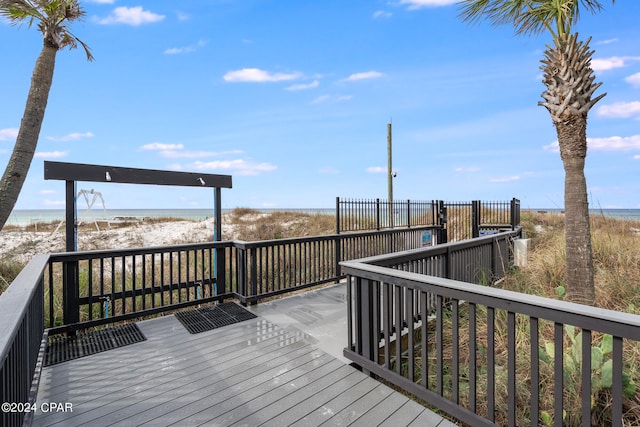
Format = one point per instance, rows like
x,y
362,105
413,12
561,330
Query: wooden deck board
x,y
248,374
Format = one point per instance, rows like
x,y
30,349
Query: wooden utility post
x,y
389,175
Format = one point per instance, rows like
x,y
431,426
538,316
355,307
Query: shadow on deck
x,y
283,368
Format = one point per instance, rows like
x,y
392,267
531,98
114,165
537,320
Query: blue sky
x,y
292,98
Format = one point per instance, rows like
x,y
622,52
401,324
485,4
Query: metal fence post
x,y
337,215
442,221
378,214
475,218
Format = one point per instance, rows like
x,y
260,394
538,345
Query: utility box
x,y
520,249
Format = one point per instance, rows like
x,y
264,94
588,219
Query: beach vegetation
x,y
53,19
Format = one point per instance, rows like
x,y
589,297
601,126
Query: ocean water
x,y
633,214
23,217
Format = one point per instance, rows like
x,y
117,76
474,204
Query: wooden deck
x,y
247,374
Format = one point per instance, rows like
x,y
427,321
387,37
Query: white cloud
x,y
304,86
255,75
183,16
363,76
621,110
185,49
131,16
633,80
195,154
604,64
376,169
612,143
471,169
161,146
50,154
636,157
8,134
102,1
505,179
607,41
419,4
173,151
47,192
378,14
71,137
240,166
53,202
331,98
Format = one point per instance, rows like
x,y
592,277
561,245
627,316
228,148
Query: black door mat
x,y
214,316
61,348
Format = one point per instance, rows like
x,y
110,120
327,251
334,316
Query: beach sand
x,y
21,246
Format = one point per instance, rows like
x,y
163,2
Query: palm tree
x,y
569,82
53,18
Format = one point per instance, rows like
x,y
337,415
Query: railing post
x,y
495,249
378,214
475,218
515,213
364,321
221,273
70,293
408,213
253,272
241,265
337,252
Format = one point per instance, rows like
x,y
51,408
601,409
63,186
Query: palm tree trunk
x,y
579,281
27,140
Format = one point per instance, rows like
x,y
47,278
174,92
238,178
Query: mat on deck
x,y
211,317
61,348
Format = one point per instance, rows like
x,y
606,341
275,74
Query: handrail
x,y
104,286
550,344
21,335
623,325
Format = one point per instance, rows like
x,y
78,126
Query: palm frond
x,y
529,16
52,16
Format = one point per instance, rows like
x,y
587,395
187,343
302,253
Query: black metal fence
x,y
484,355
459,220
376,214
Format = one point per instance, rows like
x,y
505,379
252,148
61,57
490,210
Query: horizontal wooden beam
x,y
98,173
